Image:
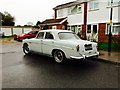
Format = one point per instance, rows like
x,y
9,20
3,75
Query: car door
x,y
48,43
36,44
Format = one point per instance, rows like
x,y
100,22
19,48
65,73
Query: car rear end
x,y
85,50
90,50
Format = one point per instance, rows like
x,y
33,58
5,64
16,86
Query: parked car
x,y
60,44
28,35
1,34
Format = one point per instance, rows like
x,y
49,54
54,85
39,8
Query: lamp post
x,y
110,33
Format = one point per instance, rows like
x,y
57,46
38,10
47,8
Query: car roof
x,y
34,30
54,30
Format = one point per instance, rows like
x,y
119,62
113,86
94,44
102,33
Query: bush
x,y
115,45
116,42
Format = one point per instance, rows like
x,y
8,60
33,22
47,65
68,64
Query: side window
x,y
49,36
40,35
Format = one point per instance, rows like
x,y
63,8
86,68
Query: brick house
x,y
76,15
90,18
60,23
98,19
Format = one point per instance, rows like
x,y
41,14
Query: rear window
x,y
67,35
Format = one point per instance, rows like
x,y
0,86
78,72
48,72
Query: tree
x,y
45,27
7,19
38,23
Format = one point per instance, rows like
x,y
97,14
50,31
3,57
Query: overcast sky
x,y
26,11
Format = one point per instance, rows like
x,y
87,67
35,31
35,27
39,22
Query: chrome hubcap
x,y
58,56
26,49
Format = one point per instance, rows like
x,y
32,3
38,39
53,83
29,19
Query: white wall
x,y
116,14
102,15
17,31
8,31
76,19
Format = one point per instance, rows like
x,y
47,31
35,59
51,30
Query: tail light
x,y
77,48
97,46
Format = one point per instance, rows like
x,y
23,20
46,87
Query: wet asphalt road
x,y
36,71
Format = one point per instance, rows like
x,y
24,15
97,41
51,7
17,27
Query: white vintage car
x,y
60,44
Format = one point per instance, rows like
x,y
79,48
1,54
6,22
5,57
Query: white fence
x,y
11,30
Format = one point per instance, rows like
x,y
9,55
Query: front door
x,y
92,33
48,43
36,45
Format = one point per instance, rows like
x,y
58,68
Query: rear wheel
x,y
58,56
26,49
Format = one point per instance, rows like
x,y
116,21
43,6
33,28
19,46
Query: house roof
x,y
65,5
53,21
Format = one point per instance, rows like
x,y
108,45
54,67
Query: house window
x,y
76,29
63,27
79,8
76,9
115,29
68,28
54,27
60,13
94,29
79,29
69,10
108,28
88,28
73,28
93,5
115,2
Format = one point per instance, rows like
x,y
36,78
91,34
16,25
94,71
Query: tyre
x,y
26,49
59,56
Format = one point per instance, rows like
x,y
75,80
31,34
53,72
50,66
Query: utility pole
x,y
110,33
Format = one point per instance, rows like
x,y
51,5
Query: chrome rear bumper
x,y
85,56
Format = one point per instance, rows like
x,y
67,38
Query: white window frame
x,y
114,3
60,12
76,28
72,11
90,29
79,6
79,29
54,27
69,10
92,4
113,32
76,7
69,28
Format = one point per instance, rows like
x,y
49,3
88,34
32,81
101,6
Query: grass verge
x,y
8,40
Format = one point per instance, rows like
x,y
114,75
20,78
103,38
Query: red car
x,y
27,35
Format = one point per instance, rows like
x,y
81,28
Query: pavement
x,y
112,57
